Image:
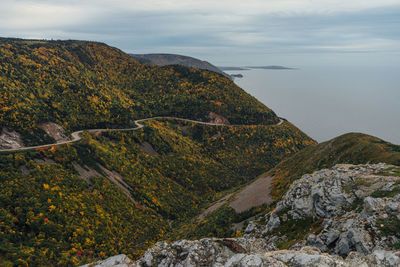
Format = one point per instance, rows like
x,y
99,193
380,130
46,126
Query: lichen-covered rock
x,y
305,257
358,205
197,253
115,261
345,216
205,252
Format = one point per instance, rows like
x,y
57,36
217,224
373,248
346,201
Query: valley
x,y
102,154
81,183
199,133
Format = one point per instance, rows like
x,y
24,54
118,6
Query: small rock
x,y
392,207
332,236
372,205
273,222
388,187
250,227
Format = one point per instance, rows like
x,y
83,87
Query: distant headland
x,y
272,67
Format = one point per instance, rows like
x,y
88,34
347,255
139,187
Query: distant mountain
x,y
172,59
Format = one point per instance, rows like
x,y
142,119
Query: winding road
x,y
76,136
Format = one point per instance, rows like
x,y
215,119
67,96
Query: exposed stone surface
x,y
54,130
216,118
46,161
148,148
201,253
341,199
115,261
354,216
10,139
85,172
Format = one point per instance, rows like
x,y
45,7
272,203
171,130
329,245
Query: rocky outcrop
x,y
148,148
55,131
116,261
217,119
10,139
345,216
353,208
197,254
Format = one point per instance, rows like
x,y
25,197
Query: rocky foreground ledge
x,y
345,216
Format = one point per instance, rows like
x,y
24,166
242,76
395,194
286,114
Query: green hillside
x,y
82,85
353,148
50,214
119,192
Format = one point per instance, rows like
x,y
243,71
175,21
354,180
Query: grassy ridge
x,y
354,148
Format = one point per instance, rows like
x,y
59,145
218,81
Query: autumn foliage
x,y
82,85
51,216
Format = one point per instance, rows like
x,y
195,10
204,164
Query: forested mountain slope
x,y
81,85
119,192
172,59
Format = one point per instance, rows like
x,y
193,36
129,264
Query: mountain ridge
x,y
163,59
185,174
80,84
71,204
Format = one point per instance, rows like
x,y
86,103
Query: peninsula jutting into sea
x,y
255,67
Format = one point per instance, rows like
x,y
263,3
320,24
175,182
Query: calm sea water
x,y
326,101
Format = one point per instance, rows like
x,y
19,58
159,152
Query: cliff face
x,y
345,216
10,139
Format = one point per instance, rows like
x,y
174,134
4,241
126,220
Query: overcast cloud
x,y
224,31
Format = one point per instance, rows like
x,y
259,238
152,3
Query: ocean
x,y
327,101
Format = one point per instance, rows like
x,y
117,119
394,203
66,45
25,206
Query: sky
x,y
224,32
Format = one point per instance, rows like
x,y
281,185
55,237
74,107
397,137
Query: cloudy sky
x,y
225,32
